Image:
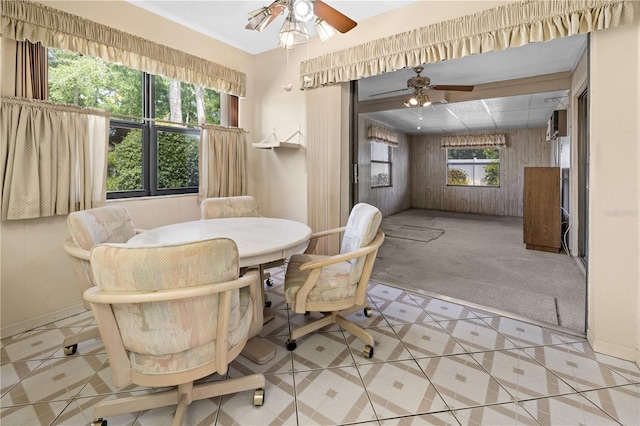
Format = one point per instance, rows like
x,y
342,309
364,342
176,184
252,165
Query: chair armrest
x,y
96,295
139,231
373,245
313,239
72,249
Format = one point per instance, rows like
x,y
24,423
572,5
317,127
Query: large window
x,y
380,164
473,167
153,137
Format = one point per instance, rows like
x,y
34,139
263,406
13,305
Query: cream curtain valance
x,y
53,158
506,26
23,20
474,141
383,135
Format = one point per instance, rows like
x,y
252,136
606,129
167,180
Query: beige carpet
x,y
482,260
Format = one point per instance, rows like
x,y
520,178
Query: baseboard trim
x,y
31,323
614,350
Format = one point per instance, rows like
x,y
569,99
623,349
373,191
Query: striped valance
x,y
474,141
24,20
511,25
382,134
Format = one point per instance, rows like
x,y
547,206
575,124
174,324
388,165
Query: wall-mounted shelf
x,y
272,141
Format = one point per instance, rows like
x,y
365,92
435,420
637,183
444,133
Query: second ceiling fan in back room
x,y
420,85
294,31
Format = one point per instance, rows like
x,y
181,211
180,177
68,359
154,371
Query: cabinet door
x,y
541,208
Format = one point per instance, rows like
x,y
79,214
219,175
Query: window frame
x,y
389,164
488,161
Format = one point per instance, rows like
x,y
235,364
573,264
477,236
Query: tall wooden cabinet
x,y
541,210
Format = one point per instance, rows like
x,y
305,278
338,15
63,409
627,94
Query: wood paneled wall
x,y
392,199
525,147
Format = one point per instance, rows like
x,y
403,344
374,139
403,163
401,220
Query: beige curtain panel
x,y
511,25
474,141
25,20
382,134
54,158
32,71
223,169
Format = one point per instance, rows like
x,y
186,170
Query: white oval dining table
x,y
260,240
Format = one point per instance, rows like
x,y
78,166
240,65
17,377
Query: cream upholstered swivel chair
x,y
170,315
237,206
336,285
110,224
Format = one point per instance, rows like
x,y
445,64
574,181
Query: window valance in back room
x,y
511,25
382,134
473,141
24,20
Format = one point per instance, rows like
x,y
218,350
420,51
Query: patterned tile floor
x,y
435,362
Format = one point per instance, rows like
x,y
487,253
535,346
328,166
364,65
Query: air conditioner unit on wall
x,y
557,125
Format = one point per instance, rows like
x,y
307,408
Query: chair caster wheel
x,y
368,351
70,350
269,282
267,304
99,422
291,345
258,397
367,312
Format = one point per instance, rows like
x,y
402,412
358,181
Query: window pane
x,y
177,160
379,151
476,167
124,162
380,175
185,103
91,82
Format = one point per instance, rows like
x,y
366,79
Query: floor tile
x,y
332,396
522,376
101,383
279,404
82,319
278,326
462,382
403,310
437,419
299,320
399,388
35,344
500,414
54,380
441,310
476,336
575,367
88,347
36,414
621,403
429,339
322,350
80,411
523,334
627,369
382,292
388,346
567,410
14,372
376,319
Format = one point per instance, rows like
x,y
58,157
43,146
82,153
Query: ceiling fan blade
x,y
451,87
334,18
391,91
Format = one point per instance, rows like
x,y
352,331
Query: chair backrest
x,y
221,207
164,337
362,226
88,228
109,224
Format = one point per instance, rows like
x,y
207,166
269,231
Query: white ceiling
x,y
225,21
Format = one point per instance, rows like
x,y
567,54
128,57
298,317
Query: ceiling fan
x,y
420,85
326,20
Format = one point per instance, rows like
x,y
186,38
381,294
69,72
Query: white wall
x,y
279,179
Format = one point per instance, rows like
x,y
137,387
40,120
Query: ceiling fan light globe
x,y
324,30
303,10
413,101
293,32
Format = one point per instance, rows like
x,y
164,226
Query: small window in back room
x,y
380,164
473,167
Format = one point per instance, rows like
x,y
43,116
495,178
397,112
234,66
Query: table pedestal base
x,y
259,350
